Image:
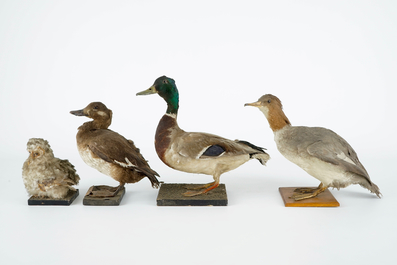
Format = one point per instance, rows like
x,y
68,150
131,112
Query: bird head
x,y
272,108
265,103
96,111
166,88
38,149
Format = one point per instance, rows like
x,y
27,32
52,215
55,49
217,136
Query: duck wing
x,y
333,149
64,174
205,145
69,171
114,148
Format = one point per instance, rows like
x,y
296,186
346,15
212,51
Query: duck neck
x,y
277,119
96,124
171,96
172,104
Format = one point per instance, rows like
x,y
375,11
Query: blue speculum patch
x,y
214,150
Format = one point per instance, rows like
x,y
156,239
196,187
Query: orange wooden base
x,y
324,199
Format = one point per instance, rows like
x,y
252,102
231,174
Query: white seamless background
x,y
332,64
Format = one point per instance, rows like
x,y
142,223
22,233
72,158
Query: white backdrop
x,y
332,63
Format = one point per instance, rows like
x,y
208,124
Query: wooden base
x,y
70,197
107,201
324,199
172,195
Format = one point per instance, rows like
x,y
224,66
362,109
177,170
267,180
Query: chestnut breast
x,y
163,135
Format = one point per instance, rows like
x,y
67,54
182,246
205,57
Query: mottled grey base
x,y
70,197
107,201
172,195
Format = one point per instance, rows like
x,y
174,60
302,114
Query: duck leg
x,y
119,188
203,189
306,193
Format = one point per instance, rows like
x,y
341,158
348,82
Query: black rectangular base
x,y
70,197
107,201
172,195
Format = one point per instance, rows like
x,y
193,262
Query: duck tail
x,y
152,177
373,188
260,155
153,180
260,149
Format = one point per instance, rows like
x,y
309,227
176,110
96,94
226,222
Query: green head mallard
x,y
196,152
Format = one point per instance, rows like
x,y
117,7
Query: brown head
x,y
273,109
97,111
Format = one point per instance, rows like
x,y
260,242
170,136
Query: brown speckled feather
x,y
113,147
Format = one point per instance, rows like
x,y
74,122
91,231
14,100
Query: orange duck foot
x,y
201,189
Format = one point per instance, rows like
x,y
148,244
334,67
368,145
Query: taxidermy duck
x,y
196,152
45,175
109,152
319,151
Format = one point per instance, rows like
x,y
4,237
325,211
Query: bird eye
x,y
165,81
268,101
96,107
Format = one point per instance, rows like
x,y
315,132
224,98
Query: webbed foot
x,y
103,191
201,189
307,193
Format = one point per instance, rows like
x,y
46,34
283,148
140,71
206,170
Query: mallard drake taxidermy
x,y
196,152
320,152
45,175
109,152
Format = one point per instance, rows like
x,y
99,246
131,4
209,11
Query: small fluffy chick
x,y
45,175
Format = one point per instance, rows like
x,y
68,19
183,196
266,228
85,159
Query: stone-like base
x,y
70,197
172,195
324,199
107,201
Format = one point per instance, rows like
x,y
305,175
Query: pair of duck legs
x,y
107,191
299,193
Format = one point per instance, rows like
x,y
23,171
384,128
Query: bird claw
x,y
103,191
201,189
41,187
193,193
307,193
302,196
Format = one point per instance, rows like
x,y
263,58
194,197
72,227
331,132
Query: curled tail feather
x,y
262,157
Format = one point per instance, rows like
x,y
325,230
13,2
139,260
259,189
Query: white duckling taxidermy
x,y
320,152
196,152
45,175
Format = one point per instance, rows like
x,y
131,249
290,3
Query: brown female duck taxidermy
x,y
109,152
